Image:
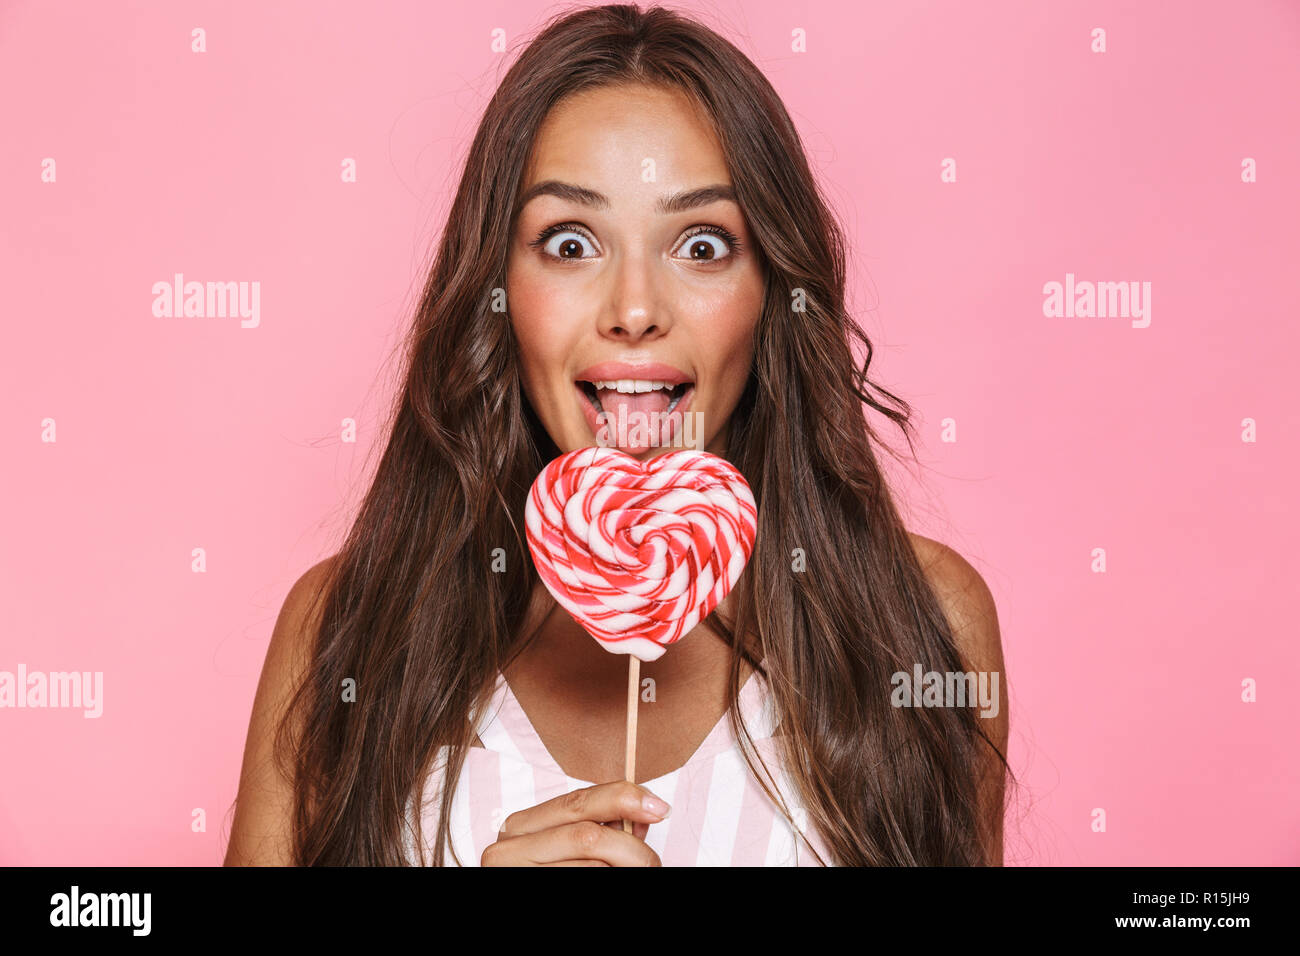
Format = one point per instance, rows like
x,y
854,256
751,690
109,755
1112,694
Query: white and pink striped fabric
x,y
720,815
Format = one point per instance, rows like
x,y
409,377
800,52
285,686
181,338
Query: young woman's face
x,y
629,268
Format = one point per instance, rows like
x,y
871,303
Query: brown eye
x,y
709,244
563,241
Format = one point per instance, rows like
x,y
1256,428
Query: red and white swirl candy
x,y
639,553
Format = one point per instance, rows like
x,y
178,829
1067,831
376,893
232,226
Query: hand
x,y
581,828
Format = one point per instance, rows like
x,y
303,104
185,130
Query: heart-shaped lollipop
x,y
639,553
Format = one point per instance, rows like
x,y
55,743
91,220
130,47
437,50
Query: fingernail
x,y
655,806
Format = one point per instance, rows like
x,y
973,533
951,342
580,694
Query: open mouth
x,y
634,395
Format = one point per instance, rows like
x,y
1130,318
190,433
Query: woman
x,y
638,198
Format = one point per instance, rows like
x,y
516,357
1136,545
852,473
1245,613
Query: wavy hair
x,y
412,612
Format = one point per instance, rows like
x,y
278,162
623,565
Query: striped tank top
x,y
720,815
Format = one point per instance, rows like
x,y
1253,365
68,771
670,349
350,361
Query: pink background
x,y
1072,433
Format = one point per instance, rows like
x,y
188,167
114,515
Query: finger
x,y
584,840
639,830
605,802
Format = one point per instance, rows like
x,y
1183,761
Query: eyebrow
x,y
670,203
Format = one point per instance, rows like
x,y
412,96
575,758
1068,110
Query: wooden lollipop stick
x,y
633,696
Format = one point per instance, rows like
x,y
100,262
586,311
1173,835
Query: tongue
x,y
647,403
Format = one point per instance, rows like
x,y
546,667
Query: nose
x,y
634,313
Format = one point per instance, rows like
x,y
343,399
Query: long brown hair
x,y
414,614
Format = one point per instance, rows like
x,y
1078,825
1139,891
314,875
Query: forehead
x,y
603,137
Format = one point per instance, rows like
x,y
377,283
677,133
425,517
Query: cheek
x,y
537,316
733,319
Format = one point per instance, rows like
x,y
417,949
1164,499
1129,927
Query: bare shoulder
x,y
263,807
967,601
296,625
968,604
301,604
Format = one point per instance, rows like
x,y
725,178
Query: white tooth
x,y
634,385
